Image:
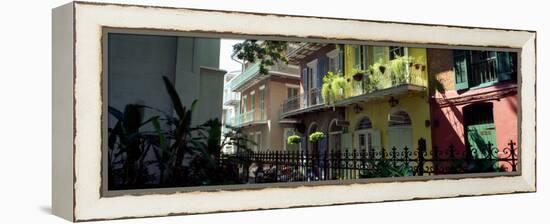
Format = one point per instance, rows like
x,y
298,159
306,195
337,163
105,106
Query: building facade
x,y
260,100
308,107
231,108
474,101
374,107
388,105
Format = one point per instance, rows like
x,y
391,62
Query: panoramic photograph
x,y
188,111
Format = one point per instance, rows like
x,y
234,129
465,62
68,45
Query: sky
x,y
226,49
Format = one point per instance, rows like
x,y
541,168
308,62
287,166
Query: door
x,y
400,131
367,141
480,130
482,140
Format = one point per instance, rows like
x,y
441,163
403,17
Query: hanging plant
x,y
334,87
293,139
339,88
316,136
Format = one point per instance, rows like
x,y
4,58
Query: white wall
x,y
137,64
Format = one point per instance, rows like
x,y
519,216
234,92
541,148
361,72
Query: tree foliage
x,y
267,52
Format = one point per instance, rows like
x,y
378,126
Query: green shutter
x,y
505,66
346,141
461,68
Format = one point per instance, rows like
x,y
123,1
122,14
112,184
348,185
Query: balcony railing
x,y
250,117
246,75
303,101
231,98
402,75
484,72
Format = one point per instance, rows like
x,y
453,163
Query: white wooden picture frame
x,y
78,28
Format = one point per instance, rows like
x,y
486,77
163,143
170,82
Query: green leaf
x,y
116,113
174,97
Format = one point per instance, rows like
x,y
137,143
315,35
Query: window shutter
x,y
461,68
321,70
376,140
304,79
505,66
340,66
346,141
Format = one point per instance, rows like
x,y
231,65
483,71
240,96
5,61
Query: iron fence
x,y
290,166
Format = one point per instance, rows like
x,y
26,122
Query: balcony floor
x,y
392,91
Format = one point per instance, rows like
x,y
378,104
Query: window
x,y
396,52
334,62
335,135
252,100
360,57
243,104
399,118
262,103
292,92
312,74
378,54
367,139
483,68
364,123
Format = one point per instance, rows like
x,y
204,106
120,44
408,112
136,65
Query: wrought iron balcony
x,y
302,102
248,74
250,117
378,81
231,98
484,72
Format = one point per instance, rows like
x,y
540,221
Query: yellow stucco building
x,y
392,112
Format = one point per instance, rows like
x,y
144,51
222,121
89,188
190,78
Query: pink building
x,y
474,102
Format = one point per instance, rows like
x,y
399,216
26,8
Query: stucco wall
x,y
378,112
275,93
448,117
138,62
416,105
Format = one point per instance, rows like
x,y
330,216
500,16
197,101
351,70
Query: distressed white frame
x,y
90,18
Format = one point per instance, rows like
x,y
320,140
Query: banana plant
x,y
128,146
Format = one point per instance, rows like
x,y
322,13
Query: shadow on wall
x,y
450,125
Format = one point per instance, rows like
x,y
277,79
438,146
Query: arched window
x,y
363,124
367,140
399,118
399,131
312,128
333,127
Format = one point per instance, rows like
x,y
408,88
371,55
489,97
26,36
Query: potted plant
x,y
382,69
359,76
293,139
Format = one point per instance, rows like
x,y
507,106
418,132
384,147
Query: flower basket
x,y
293,139
316,136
